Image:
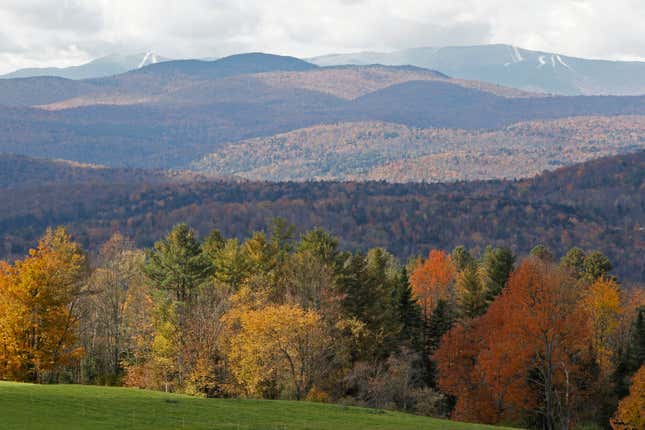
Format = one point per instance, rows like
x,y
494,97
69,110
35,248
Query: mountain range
x,y
513,67
175,114
506,65
109,65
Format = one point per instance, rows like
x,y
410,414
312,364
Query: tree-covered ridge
x,y
398,153
17,171
350,82
594,205
488,337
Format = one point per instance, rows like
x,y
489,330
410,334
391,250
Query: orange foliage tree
x,y
523,356
432,280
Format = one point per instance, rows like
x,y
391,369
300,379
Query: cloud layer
x,y
66,32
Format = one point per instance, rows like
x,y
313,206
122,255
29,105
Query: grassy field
x,y
53,407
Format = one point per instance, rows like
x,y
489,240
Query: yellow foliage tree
x,y
631,410
278,349
39,297
603,304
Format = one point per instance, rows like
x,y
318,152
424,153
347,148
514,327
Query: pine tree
x,y
177,264
573,261
596,265
409,313
471,292
497,265
461,258
231,265
543,253
212,245
441,321
637,344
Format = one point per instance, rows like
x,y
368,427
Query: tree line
x,y
483,337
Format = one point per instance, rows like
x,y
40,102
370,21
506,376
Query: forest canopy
x,y
490,336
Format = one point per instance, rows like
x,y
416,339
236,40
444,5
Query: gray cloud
x,y
65,32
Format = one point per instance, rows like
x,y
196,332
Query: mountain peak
x,y
112,64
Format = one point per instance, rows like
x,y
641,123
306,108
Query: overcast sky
x,y
68,32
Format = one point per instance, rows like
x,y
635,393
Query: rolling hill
x,y
513,67
18,171
396,153
75,407
594,205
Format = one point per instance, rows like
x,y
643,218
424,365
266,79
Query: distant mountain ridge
x,y
249,63
505,65
172,114
101,67
514,67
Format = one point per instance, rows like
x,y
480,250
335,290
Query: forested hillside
x,y
397,153
595,205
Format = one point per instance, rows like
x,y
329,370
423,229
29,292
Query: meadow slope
x,y
69,407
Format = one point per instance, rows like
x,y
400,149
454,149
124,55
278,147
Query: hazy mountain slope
x,y
396,153
20,172
105,66
140,85
596,205
41,90
239,64
350,82
170,114
156,86
183,126
441,104
514,67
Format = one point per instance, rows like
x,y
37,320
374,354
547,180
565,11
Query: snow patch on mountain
x,y
148,59
561,61
517,56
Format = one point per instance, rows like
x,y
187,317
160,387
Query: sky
x,y
37,33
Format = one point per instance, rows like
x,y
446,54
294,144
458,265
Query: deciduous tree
x,y
279,344
631,410
42,294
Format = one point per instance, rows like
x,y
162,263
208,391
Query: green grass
x,y
68,407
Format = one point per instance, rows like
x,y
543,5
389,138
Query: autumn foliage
x,y
432,280
38,300
524,355
631,410
468,335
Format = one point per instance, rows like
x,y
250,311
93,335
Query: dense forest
x,y
490,337
595,205
362,151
